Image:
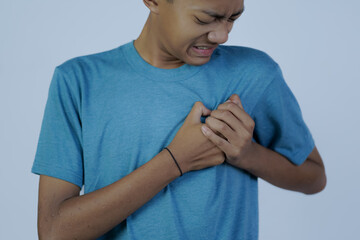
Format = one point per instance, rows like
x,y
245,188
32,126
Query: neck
x,y
152,50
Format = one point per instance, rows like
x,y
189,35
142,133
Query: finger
x,y
221,143
221,127
239,113
227,117
234,137
218,133
236,99
198,110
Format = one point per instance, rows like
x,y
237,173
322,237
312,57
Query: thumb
x,y
197,111
236,99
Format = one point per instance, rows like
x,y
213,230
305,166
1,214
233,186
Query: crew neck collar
x,y
159,74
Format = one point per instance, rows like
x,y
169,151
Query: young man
x,y
110,115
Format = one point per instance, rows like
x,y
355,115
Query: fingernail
x,y
205,130
228,100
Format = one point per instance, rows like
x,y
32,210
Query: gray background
x,y
316,44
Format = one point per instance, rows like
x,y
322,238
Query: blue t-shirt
x,y
111,112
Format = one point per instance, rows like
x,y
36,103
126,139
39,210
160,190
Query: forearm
x,y
91,215
276,169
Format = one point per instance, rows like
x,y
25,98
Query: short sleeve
x,y
59,150
279,124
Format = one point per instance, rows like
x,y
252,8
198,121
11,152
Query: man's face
x,y
184,26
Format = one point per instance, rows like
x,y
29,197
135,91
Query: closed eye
x,y
232,20
201,22
204,23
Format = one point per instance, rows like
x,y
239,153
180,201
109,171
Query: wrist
x,y
168,160
176,162
247,160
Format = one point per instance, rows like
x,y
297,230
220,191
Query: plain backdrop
x,y
316,44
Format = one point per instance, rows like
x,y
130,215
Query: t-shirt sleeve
x,y
59,150
279,124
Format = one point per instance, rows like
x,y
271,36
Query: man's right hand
x,y
191,149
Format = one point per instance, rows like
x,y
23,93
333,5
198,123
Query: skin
x,y
64,214
231,129
173,48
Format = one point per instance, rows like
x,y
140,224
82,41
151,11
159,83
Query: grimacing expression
x,y
184,24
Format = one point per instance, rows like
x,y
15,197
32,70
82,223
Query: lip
x,y
203,52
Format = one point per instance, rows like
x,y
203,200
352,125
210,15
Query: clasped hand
x,y
231,129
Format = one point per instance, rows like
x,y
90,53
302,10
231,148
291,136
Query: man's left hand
x,y
231,129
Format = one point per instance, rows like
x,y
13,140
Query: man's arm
x,y
231,129
63,214
308,178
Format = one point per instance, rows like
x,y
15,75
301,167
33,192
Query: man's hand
x,y
231,129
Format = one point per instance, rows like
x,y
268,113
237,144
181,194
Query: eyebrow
x,y
219,16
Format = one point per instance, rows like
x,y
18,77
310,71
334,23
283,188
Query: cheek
x,y
188,31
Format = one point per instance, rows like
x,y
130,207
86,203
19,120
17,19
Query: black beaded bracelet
x,y
175,161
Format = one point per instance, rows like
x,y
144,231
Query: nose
x,y
221,33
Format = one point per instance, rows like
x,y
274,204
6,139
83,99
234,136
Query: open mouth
x,y
203,50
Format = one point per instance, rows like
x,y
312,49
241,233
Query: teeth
x,y
202,47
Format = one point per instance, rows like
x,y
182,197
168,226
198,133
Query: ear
x,y
152,5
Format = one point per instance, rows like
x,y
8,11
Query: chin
x,y
196,61
196,64
199,62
